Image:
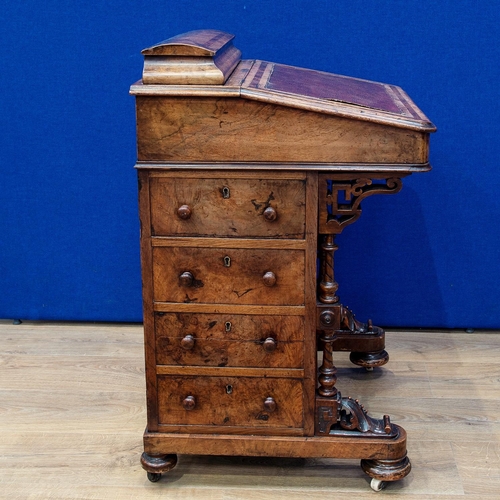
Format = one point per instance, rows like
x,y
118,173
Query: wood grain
x,y
283,244
228,129
242,405
229,352
310,344
228,207
147,297
229,340
278,446
70,433
240,283
230,309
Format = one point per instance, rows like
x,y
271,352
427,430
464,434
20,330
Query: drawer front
x,y
235,208
229,340
228,276
232,401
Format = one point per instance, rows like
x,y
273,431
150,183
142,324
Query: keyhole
x,y
225,192
229,389
227,261
228,326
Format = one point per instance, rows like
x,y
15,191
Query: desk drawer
x,y
232,401
229,340
228,276
238,208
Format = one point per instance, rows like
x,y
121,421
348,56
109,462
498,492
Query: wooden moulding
x,y
203,57
277,446
176,169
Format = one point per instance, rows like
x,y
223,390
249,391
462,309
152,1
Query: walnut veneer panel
x,y
230,401
243,282
228,207
229,129
229,340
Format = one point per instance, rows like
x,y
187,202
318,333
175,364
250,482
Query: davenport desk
x,y
247,172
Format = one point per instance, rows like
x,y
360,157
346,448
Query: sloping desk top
x,y
298,115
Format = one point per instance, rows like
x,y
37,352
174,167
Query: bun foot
x,y
156,465
369,360
382,471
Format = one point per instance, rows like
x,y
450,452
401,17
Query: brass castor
x,y
154,476
377,484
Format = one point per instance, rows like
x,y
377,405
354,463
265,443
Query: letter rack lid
x,y
192,43
201,57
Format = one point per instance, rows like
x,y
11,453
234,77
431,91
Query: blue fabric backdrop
x,y
428,256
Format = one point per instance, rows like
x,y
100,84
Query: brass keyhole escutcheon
x,y
227,261
228,326
226,193
229,389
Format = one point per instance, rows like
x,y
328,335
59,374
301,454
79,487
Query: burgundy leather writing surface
x,y
329,86
313,84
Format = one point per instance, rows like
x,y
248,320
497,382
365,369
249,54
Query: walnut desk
x,y
247,171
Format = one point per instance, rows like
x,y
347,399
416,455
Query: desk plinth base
x,y
383,459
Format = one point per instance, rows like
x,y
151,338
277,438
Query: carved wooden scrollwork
x,y
353,417
341,197
346,416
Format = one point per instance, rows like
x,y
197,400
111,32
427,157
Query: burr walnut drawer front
x,y
263,208
232,401
228,276
229,340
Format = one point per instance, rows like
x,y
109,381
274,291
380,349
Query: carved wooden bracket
x,y
327,414
346,416
353,417
340,198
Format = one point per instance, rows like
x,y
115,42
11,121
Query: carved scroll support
x,y
347,417
339,330
340,198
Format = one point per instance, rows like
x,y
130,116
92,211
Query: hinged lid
x,y
202,57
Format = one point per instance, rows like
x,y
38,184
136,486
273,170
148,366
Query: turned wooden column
x,y
328,286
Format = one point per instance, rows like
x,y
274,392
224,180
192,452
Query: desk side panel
x,y
233,129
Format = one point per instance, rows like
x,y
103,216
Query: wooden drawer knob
x,y
270,214
184,212
187,343
269,279
270,404
189,403
186,278
269,344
